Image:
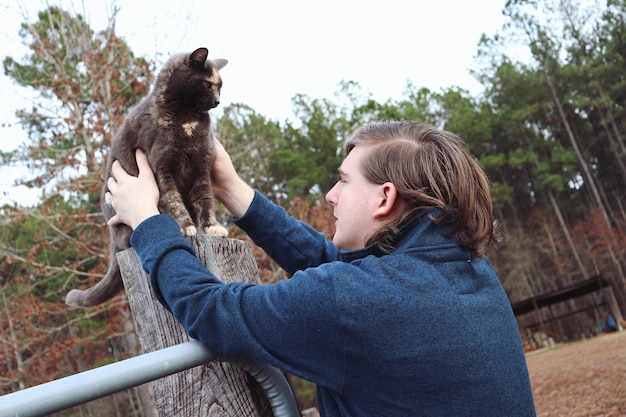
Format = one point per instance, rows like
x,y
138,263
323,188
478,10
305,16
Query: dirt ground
x,y
581,379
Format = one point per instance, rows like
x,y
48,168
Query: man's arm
x,y
228,187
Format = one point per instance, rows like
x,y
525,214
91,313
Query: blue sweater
x,y
424,331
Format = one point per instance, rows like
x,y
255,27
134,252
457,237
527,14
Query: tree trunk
x,y
568,236
588,177
215,389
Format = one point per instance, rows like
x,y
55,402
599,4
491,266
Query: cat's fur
x,y
172,125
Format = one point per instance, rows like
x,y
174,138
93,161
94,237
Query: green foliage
x,y
557,172
251,141
521,157
51,258
309,154
501,193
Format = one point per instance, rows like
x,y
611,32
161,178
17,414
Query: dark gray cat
x,y
172,125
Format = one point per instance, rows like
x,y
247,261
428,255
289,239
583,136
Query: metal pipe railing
x,y
90,385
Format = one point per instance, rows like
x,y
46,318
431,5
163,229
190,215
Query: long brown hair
x,y
431,168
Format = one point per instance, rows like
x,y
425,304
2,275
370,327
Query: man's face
x,y
355,200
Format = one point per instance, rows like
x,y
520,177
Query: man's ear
x,y
389,201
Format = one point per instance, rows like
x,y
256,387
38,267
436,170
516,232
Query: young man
x,y
400,315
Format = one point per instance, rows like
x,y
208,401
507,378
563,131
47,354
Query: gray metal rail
x,y
90,385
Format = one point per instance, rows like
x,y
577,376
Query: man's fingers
x,y
117,170
108,199
111,183
142,161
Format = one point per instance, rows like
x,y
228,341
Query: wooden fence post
x,y
218,388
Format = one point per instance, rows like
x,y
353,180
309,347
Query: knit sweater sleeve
x,y
293,244
290,324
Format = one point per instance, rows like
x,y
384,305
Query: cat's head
x,y
192,81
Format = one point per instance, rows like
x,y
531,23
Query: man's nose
x,y
330,195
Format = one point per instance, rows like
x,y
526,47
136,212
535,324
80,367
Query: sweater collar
x,y
408,231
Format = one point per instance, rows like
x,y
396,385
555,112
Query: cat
x,y
173,126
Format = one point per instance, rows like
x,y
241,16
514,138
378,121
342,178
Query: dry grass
x,y
581,379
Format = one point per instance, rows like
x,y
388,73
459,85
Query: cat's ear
x,y
219,63
198,57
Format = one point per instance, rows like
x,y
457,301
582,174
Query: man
x,y
400,315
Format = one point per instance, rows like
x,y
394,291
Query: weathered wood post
x,y
218,388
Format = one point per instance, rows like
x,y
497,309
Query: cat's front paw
x,y
216,230
189,231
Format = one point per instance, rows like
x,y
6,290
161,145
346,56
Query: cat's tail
x,y
107,288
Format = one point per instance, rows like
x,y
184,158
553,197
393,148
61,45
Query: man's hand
x,y
133,198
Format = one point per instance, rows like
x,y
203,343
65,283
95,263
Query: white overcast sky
x,y
279,48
